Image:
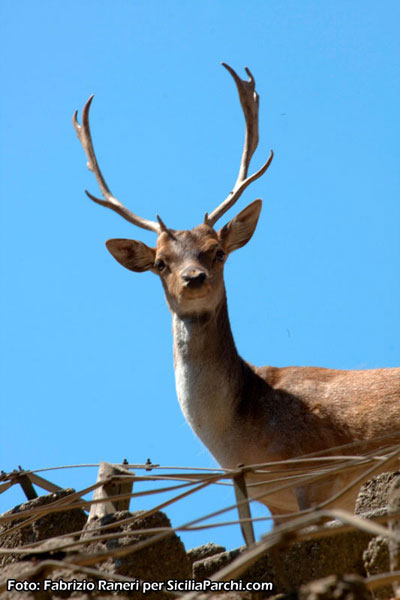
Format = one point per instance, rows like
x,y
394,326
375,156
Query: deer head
x,y
189,263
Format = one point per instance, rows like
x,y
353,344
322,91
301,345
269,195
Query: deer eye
x,y
220,255
159,265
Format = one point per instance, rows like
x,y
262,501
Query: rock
x,y
338,555
160,561
382,556
165,559
225,596
289,568
43,528
374,494
309,570
376,561
19,572
204,551
348,587
204,568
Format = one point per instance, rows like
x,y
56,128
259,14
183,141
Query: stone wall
x,y
339,562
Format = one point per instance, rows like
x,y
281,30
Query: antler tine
x,y
85,138
249,101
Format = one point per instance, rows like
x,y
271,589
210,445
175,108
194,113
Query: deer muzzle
x,y
193,277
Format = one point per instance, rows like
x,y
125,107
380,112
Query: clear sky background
x,y
86,360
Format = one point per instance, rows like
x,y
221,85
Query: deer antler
x,y
85,138
249,100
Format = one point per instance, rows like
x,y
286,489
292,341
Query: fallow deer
x,y
242,413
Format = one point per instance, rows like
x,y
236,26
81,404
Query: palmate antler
x,y
249,100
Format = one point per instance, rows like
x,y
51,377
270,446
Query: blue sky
x,y
86,355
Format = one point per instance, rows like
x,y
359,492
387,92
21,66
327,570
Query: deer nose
x,y
193,277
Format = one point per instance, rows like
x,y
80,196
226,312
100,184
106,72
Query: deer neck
x,y
208,373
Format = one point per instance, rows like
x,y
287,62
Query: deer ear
x,y
132,255
239,230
